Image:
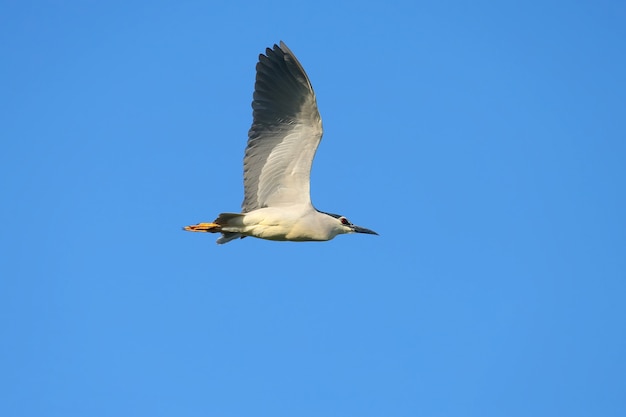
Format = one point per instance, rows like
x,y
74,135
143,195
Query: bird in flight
x,y
286,130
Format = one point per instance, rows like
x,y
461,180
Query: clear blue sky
x,y
484,141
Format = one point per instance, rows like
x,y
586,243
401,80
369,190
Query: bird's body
x,y
285,133
296,223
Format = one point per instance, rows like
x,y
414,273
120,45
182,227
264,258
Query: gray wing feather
x,y
285,133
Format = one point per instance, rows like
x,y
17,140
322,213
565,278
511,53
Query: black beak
x,y
359,229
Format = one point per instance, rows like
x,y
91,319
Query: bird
x,y
285,133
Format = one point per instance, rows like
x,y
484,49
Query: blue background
x,y
485,142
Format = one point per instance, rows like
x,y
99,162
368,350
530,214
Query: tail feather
x,y
229,221
227,237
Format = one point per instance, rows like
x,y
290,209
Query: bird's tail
x,y
228,224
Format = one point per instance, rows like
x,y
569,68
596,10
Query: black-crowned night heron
x,y
286,130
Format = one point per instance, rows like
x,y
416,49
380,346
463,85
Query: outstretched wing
x,y
285,133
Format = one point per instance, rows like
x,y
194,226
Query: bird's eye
x,y
344,221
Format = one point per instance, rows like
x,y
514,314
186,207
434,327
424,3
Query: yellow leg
x,y
204,227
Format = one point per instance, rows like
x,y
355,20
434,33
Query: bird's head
x,y
344,225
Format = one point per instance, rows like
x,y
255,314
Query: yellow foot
x,y
203,227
